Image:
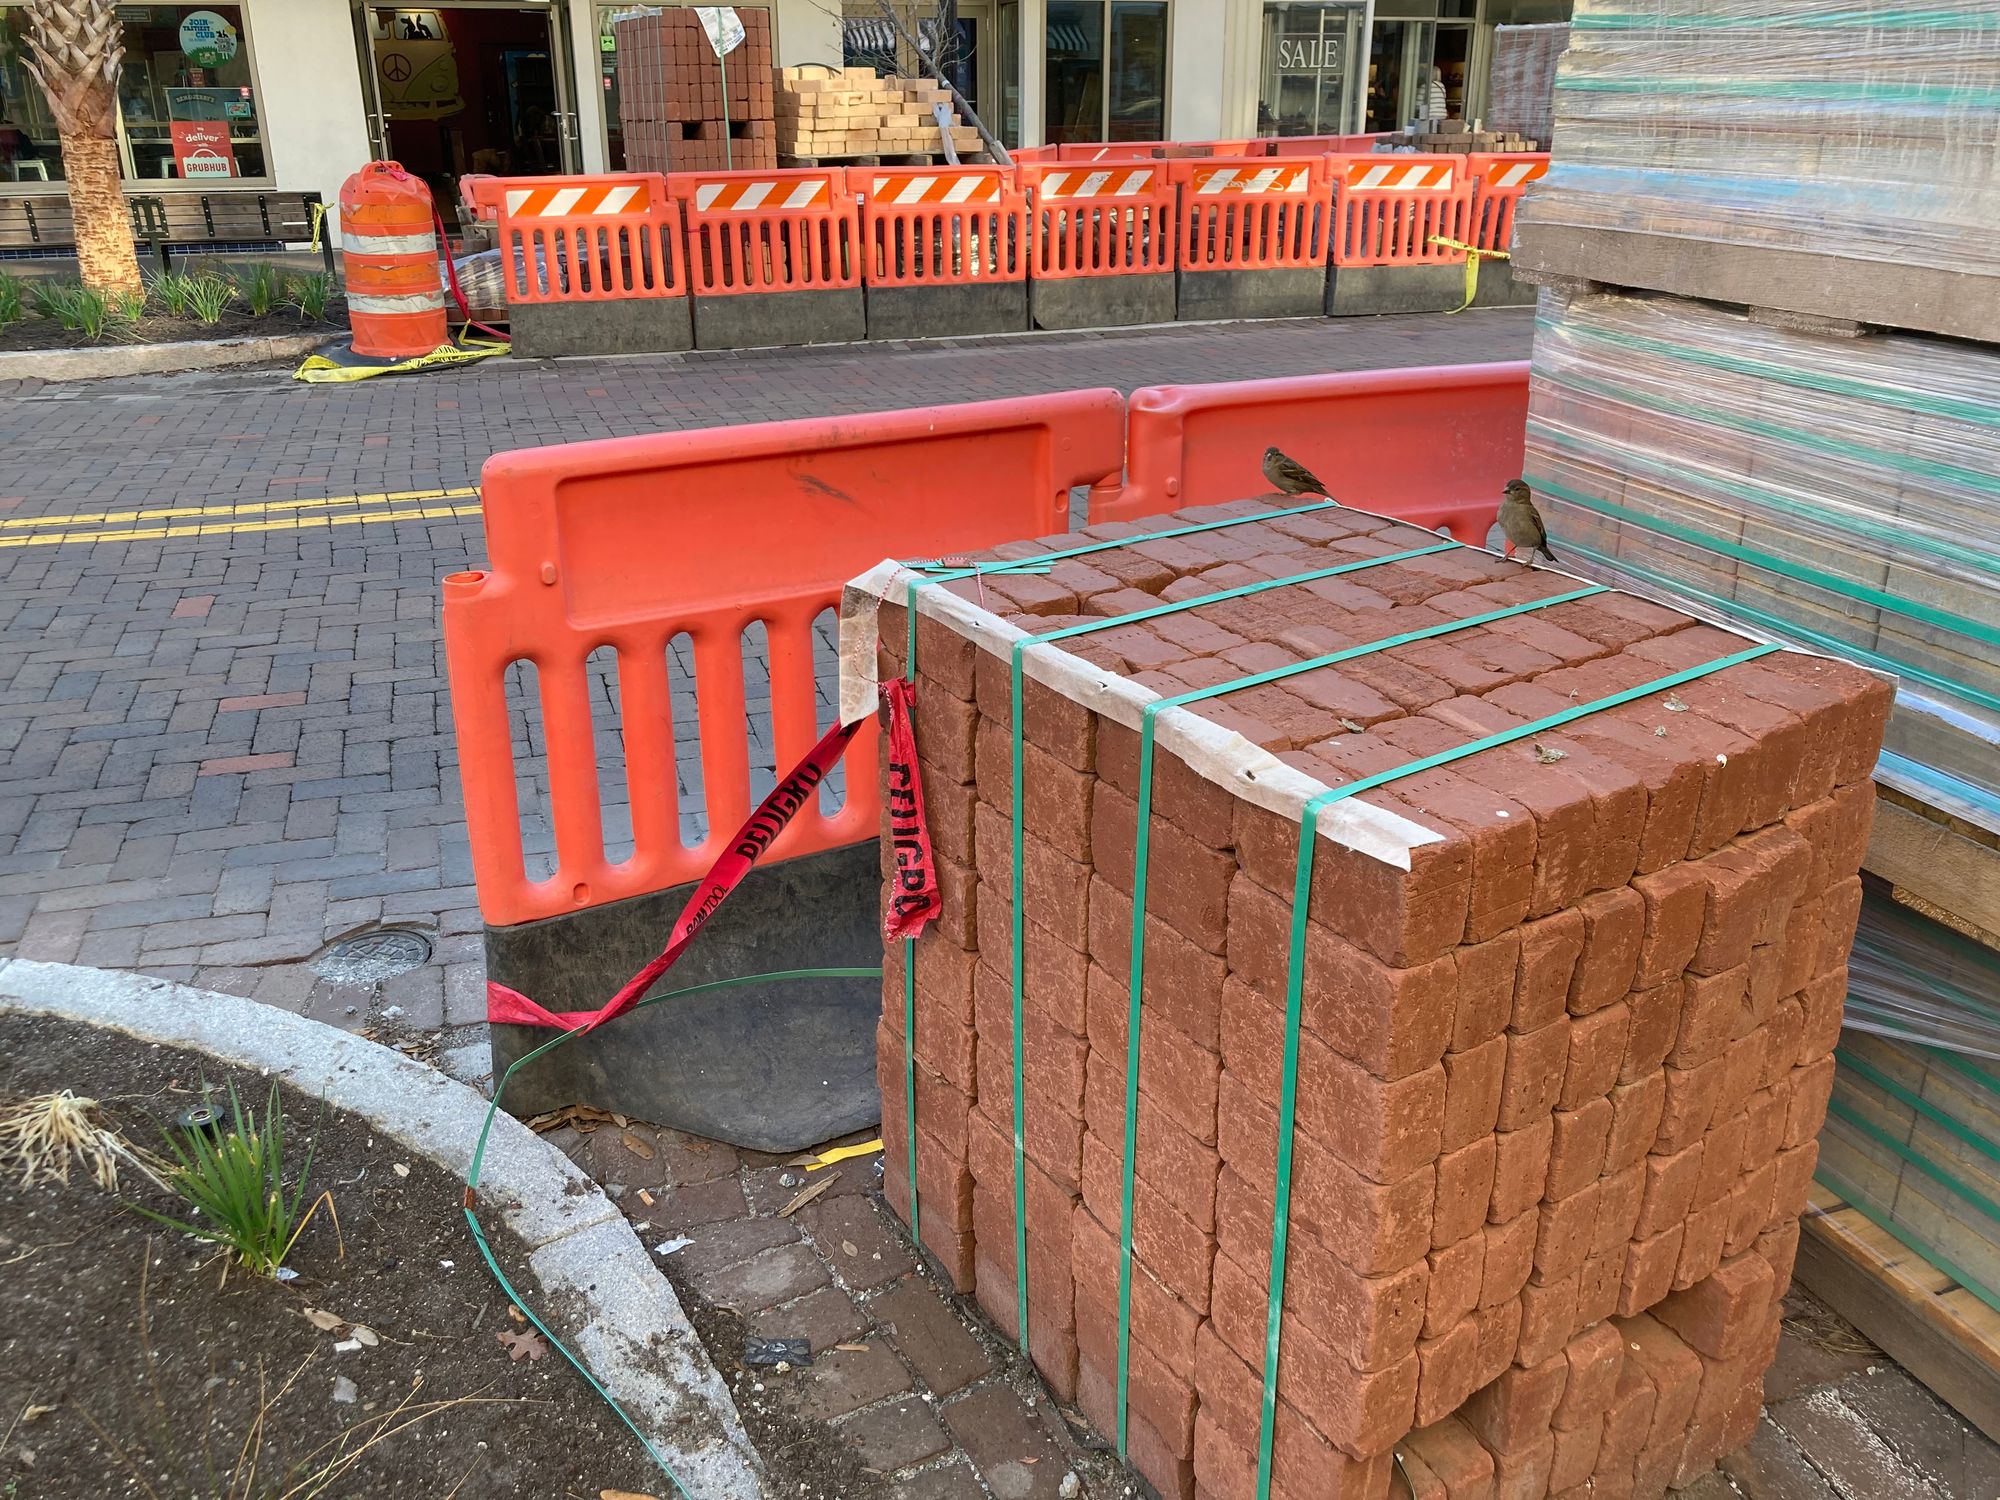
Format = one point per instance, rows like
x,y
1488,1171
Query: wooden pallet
x,y
1940,865
880,159
1918,1313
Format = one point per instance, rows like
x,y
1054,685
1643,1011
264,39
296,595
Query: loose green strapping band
x,y
479,1160
1295,987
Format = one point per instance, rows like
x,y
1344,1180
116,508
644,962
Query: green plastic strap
x,y
1904,1234
479,1159
1862,18
1767,89
1847,588
1865,1070
1972,1195
1295,988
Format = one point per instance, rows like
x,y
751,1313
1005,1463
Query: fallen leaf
x,y
368,1338
35,1413
325,1322
1548,755
622,1121
806,1195
517,1315
637,1146
528,1346
623,1495
848,1247
852,1348
400,1170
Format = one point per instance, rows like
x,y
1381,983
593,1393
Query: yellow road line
x,y
111,518
240,528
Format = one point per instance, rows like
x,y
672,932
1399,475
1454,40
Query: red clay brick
x,y
1523,1473
1576,1157
1448,1366
1565,1236
1672,1179
1160,1320
1549,952
1635,1121
1691,1095
1487,973
1575,1454
1548,1317
1722,1315
1059,796
1304,1465
1187,882
1464,1191
1701,1248
1655,1016
1454,1457
1793,1179
1170,1161
1596,1052
1614,923
1178,1076
1676,900
1519,1407
1520,1168
1510,1258
1598,1286
1473,1083
1182,982
1709,1010
1536,1062
1811,1087
1163,1239
1454,1285
1650,1264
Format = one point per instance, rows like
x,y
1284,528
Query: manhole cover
x,y
369,957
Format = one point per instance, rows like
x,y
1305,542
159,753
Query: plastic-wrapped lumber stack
x,y
1522,80
1831,157
1491,937
670,94
1841,493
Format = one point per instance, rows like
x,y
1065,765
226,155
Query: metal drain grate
x,y
370,957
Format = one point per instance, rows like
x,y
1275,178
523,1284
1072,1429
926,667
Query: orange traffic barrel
x,y
389,256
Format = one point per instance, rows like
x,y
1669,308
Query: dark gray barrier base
x,y
771,1067
1102,301
1356,290
765,320
1498,287
938,312
629,325
1291,292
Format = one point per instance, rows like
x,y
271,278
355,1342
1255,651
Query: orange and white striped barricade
x,y
944,250
649,645
1100,244
1499,179
1320,145
1252,235
1100,151
774,256
1397,218
592,265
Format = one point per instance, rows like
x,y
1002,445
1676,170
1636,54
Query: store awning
x,y
1065,37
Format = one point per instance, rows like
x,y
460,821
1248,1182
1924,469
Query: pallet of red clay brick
x,y
671,104
1563,1020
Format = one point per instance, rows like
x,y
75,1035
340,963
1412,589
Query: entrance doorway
x,y
471,87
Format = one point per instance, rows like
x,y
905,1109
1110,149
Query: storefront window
x,y
1073,91
1076,105
28,148
1308,60
1009,45
1138,71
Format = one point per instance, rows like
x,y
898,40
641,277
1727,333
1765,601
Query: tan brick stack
x,y
1458,135
670,94
1559,1079
837,113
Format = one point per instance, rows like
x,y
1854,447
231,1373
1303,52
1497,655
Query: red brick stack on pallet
x,y
1558,1080
670,99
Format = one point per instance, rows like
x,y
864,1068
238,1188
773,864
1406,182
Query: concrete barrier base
x,y
771,1067
764,320
1352,291
628,325
1287,292
955,311
1102,301
1498,286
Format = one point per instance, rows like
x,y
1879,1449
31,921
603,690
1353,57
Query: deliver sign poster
x,y
202,149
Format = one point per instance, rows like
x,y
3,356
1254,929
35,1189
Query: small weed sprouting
x,y
208,297
234,1179
310,295
128,307
263,289
12,308
172,289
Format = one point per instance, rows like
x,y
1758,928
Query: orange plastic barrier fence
x,y
1498,181
630,542
1252,213
1319,145
941,226
1087,151
1433,446
1389,206
1110,220
587,239
773,231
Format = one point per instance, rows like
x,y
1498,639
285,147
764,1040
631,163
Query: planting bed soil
x,y
35,333
132,1365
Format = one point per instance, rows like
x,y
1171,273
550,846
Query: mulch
x,y
34,333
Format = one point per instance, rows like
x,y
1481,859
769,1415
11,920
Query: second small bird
x,y
1522,523
1290,477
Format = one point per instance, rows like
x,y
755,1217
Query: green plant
x,y
11,310
128,307
263,289
234,1180
310,294
207,297
171,290
49,296
75,307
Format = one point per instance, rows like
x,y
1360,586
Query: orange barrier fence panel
x,y
1388,208
1248,213
941,226
1433,446
1087,151
627,544
770,231
1319,145
586,239
1499,178
1110,220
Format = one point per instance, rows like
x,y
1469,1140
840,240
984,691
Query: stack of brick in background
x,y
670,94
825,113
1455,135
1521,83
1558,1083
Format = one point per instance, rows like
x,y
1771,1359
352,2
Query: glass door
x,y
1138,94
1082,98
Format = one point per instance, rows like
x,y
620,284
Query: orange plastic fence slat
x,y
585,239
631,541
1252,213
770,231
1376,437
1499,180
1110,220
1388,207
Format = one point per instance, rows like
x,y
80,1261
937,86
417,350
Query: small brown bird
x,y
1522,523
1290,476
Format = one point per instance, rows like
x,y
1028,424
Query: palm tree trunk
x,y
104,250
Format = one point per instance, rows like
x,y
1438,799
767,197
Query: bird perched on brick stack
x,y
1522,523
1291,477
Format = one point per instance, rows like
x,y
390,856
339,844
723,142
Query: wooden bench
x,y
169,224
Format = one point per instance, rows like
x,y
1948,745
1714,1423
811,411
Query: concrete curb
x,y
637,1340
113,360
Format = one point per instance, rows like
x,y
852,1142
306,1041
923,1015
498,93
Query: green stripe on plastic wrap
x,y
1799,18
1766,89
1879,1217
1912,1100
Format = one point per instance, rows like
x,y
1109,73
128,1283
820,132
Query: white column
x,y
587,85
309,102
1201,85
1034,63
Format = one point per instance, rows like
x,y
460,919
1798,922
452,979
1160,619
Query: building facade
x,y
295,94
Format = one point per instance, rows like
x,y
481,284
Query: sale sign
x,y
202,149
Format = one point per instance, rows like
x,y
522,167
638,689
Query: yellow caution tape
x,y
842,1153
1473,256
318,219
319,370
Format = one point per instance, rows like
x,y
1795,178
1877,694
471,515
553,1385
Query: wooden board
x,y
1887,293
1918,1314
1951,869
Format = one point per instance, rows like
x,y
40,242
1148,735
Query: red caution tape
x,y
913,897
799,787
